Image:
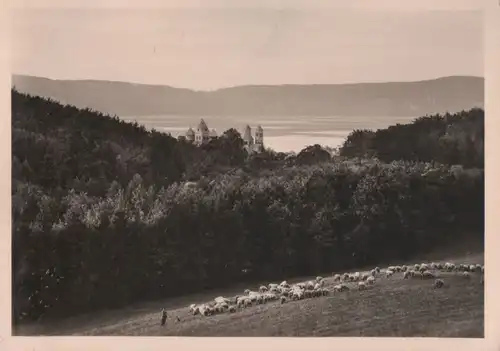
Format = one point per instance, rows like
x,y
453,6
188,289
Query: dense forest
x,y
106,213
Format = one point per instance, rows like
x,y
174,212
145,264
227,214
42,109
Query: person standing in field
x,y
163,316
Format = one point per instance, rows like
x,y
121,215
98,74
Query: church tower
x,y
259,139
202,134
247,137
190,135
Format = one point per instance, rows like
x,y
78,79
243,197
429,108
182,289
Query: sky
x,y
216,47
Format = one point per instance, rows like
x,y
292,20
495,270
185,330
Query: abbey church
x,y
203,135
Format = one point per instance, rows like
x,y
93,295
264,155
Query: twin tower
x,y
203,135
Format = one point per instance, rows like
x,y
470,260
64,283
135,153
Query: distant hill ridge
x,y
417,98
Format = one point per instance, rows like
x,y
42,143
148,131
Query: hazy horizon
x,y
234,86
214,48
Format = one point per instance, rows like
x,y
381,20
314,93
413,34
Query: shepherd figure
x,y
163,316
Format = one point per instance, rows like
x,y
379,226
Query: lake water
x,y
280,134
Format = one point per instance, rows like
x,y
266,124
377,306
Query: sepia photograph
x,y
292,170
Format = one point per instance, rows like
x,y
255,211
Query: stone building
x,y
203,135
253,143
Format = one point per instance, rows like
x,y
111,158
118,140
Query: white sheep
x,y
310,285
232,309
273,286
284,284
404,268
370,280
282,299
482,269
472,268
466,274
346,276
205,310
361,286
318,278
262,288
391,268
284,292
365,276
373,272
297,295
336,278
406,275
195,310
300,285
377,269
243,301
221,299
254,296
389,273
221,307
438,283
340,287
416,267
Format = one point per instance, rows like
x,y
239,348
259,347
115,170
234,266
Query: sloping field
x,y
391,307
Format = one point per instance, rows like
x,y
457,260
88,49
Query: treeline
x,y
103,214
450,139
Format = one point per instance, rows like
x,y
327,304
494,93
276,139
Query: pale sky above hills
x,y
219,47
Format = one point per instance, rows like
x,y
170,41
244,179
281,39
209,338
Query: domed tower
x,y
259,139
190,135
213,134
202,133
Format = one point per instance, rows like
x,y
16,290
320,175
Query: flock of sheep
x,y
283,292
